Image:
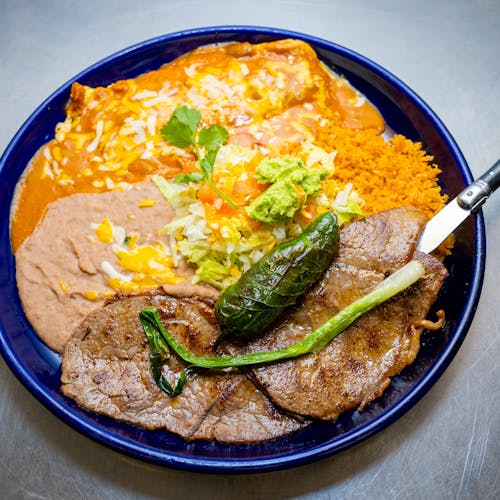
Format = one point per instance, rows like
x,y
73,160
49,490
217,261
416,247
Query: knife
x,y
458,209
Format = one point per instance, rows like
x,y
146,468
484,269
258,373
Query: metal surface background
x,y
448,445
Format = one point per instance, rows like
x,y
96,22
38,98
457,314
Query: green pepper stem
x,y
315,341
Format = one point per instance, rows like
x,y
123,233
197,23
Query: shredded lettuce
x,y
212,272
170,191
221,248
345,213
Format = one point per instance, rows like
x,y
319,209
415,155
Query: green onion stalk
x,y
315,341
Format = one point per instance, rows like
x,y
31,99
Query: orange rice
x,y
385,174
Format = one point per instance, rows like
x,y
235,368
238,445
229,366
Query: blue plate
x,y
38,368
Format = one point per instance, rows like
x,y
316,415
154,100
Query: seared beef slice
x,y
356,366
106,369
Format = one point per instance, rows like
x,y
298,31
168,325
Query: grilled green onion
x,y
159,353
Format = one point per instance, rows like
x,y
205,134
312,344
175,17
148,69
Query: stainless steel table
x,y
448,445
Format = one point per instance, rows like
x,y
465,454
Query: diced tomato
x,y
227,210
247,189
206,194
308,213
242,189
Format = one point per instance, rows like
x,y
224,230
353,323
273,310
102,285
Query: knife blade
x,y
457,210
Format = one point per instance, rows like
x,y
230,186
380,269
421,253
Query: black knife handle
x,y
474,195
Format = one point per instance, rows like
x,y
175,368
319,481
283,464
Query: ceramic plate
x,y
38,368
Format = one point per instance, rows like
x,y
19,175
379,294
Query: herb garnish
x,y
181,131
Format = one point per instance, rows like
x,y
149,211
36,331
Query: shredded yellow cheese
x,y
104,231
151,266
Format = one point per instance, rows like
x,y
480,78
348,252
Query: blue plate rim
x,y
347,440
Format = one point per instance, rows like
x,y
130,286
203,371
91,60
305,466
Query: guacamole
x,y
291,182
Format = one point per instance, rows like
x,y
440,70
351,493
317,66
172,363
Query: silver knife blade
x,y
458,209
441,226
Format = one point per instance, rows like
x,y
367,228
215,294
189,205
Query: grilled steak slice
x,y
383,242
106,369
356,367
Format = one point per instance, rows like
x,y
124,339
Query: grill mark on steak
x,y
356,367
223,397
106,369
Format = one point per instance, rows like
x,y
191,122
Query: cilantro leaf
x,y
180,130
190,177
208,161
206,168
213,137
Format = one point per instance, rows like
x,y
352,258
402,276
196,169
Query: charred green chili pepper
x,y
274,283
